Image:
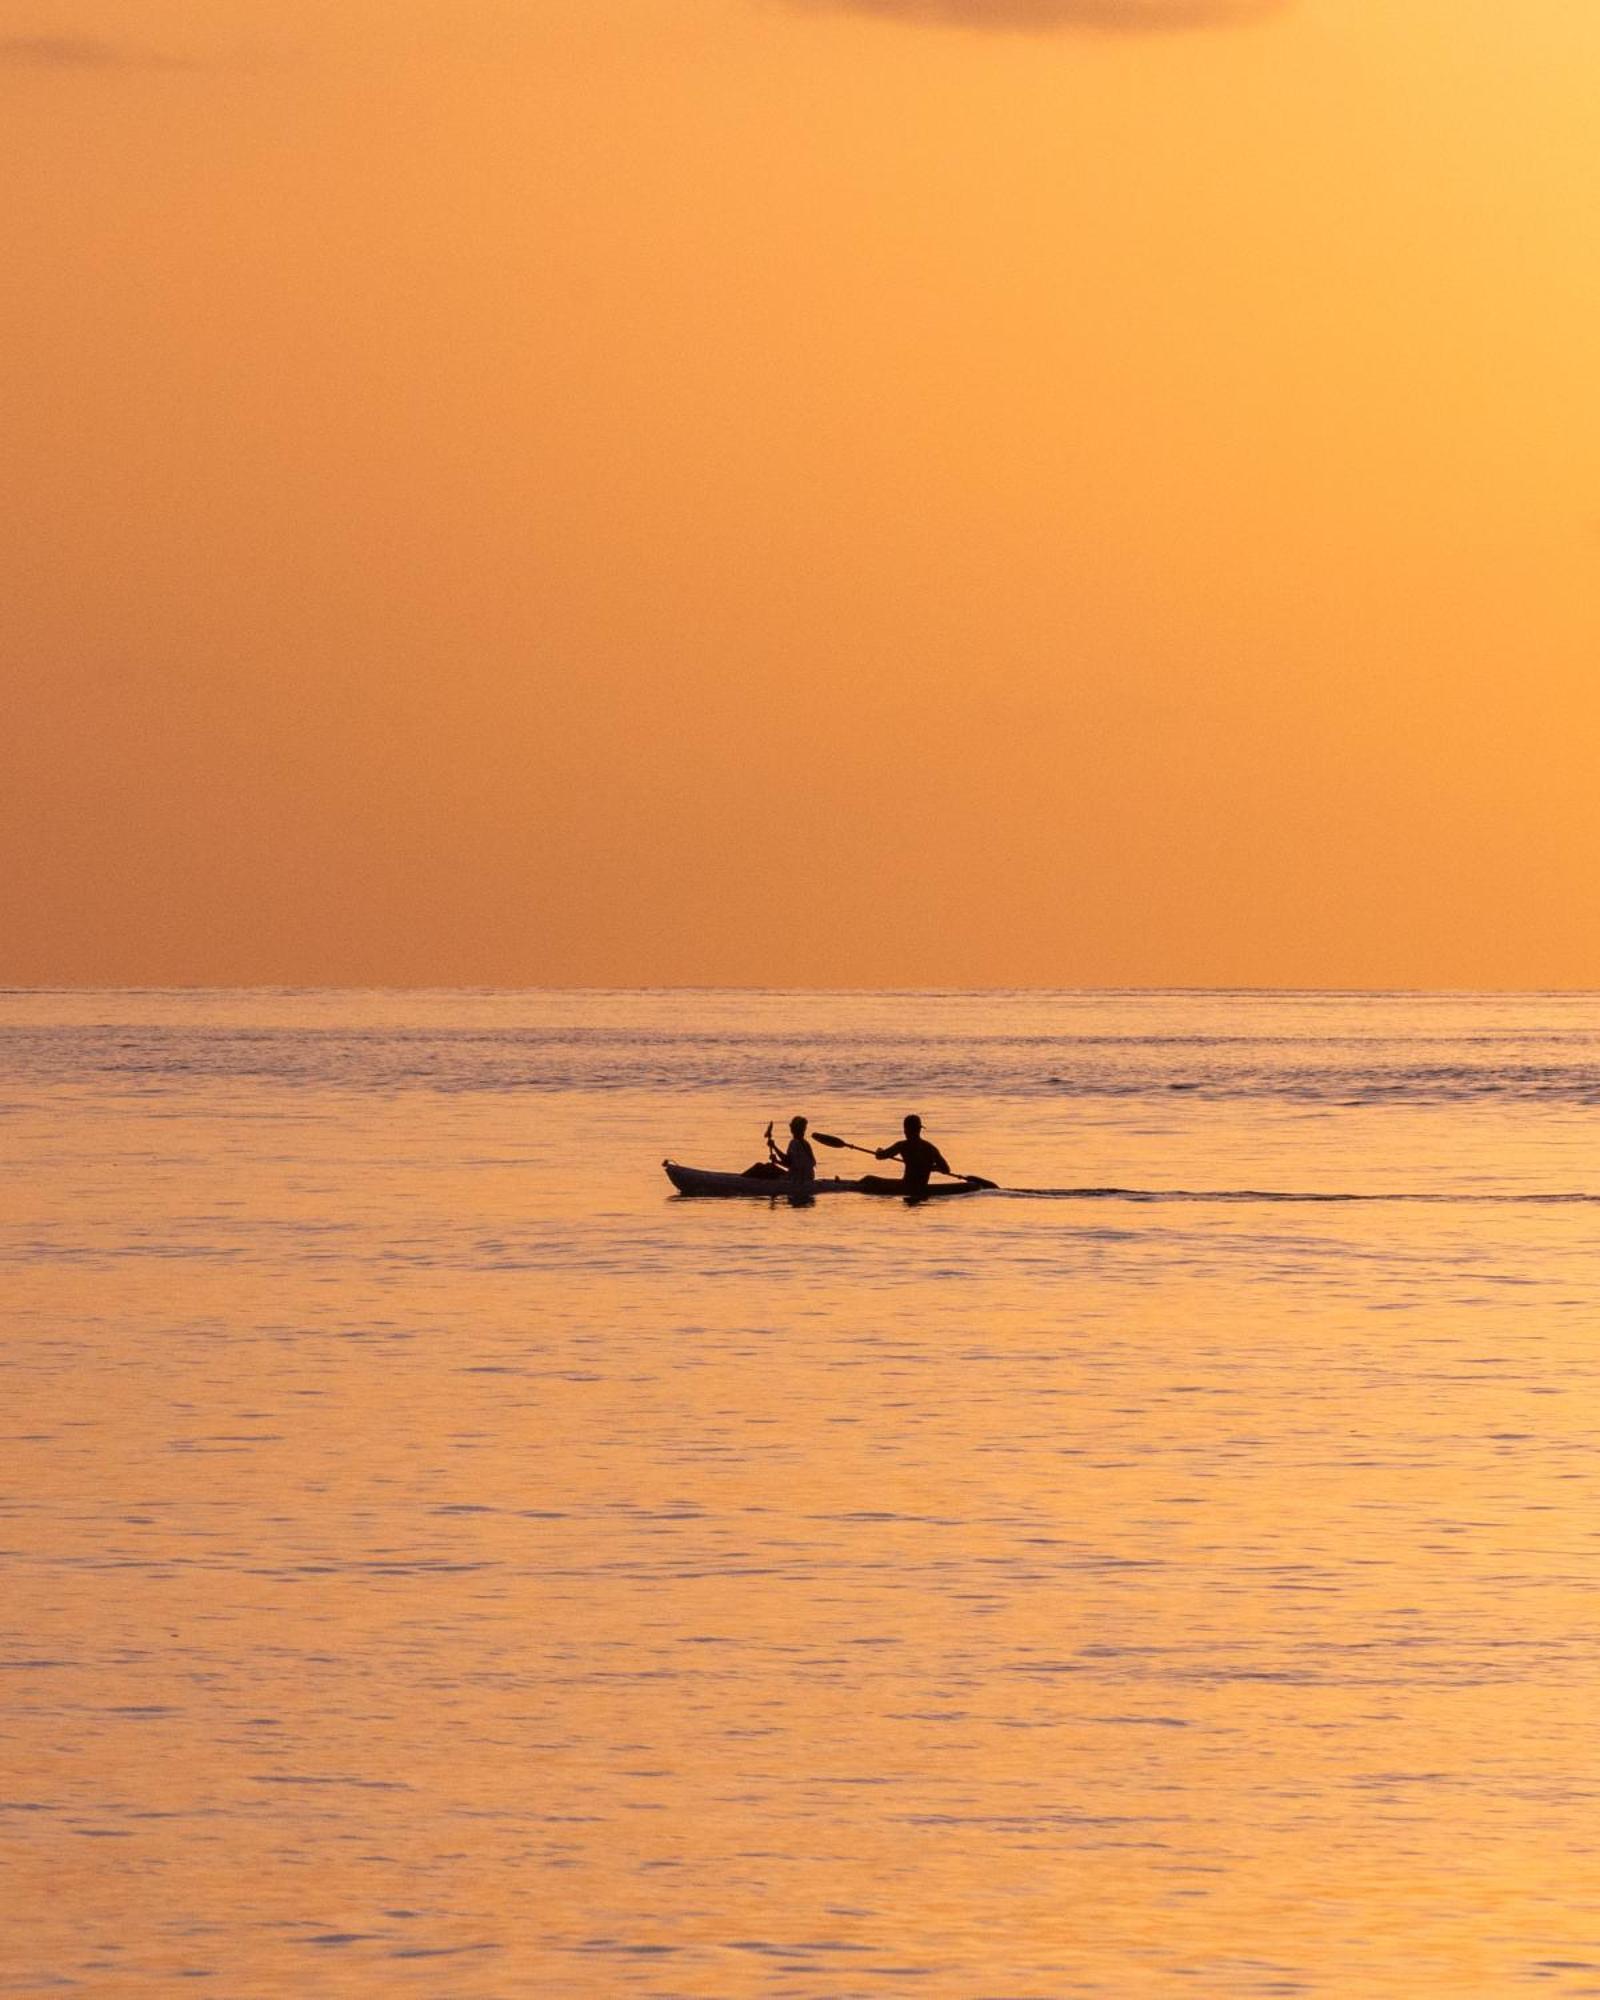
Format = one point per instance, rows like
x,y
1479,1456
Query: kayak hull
x,y
702,1181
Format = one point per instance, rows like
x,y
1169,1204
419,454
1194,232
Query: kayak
x,y
701,1180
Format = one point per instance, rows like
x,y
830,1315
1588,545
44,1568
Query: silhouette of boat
x,y
701,1180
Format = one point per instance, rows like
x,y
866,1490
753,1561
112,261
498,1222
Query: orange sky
x,y
548,491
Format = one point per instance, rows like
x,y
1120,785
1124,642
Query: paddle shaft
x,y
849,1146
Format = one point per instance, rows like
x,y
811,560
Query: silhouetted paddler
x,y
797,1159
920,1156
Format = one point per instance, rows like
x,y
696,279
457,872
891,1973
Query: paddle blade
x,y
827,1139
978,1181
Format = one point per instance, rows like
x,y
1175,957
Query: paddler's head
x,y
798,1127
913,1125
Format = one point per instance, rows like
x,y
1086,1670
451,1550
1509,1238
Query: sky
x,y
809,492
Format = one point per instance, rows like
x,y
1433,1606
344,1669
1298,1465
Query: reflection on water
x,y
437,1559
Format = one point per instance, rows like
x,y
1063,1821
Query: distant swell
x,y
1330,1071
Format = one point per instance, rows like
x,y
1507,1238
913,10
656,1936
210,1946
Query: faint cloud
x,y
79,52
1109,17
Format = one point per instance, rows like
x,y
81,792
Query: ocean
x,y
439,1560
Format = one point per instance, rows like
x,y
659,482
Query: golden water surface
x,y
437,1560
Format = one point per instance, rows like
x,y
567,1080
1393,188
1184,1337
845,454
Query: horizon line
x,y
1282,992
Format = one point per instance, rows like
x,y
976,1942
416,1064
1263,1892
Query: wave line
x,y
1153,1195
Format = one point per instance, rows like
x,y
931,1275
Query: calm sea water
x,y
438,1560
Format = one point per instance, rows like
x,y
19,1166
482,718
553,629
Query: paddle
x,y
849,1146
